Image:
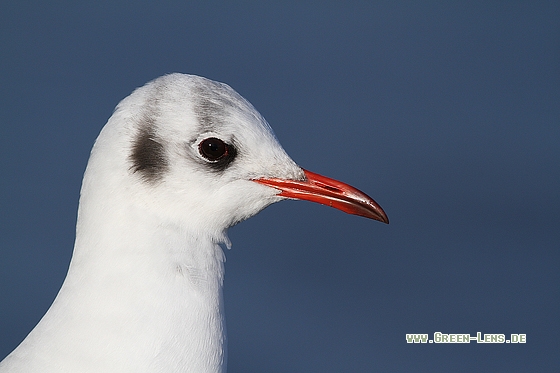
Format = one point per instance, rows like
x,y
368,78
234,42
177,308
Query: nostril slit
x,y
329,187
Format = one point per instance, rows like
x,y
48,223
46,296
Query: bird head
x,y
197,154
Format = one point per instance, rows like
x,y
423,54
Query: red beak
x,y
330,192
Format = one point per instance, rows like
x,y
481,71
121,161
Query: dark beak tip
x,y
382,217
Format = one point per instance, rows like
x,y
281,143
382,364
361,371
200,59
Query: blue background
x,y
446,113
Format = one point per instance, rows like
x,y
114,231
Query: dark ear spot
x,y
148,155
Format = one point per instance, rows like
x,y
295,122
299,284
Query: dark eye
x,y
213,149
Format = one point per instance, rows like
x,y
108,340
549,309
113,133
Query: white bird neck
x,y
163,280
145,296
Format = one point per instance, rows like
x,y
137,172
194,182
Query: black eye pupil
x,y
213,149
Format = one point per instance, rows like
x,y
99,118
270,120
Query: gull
x,y
181,160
